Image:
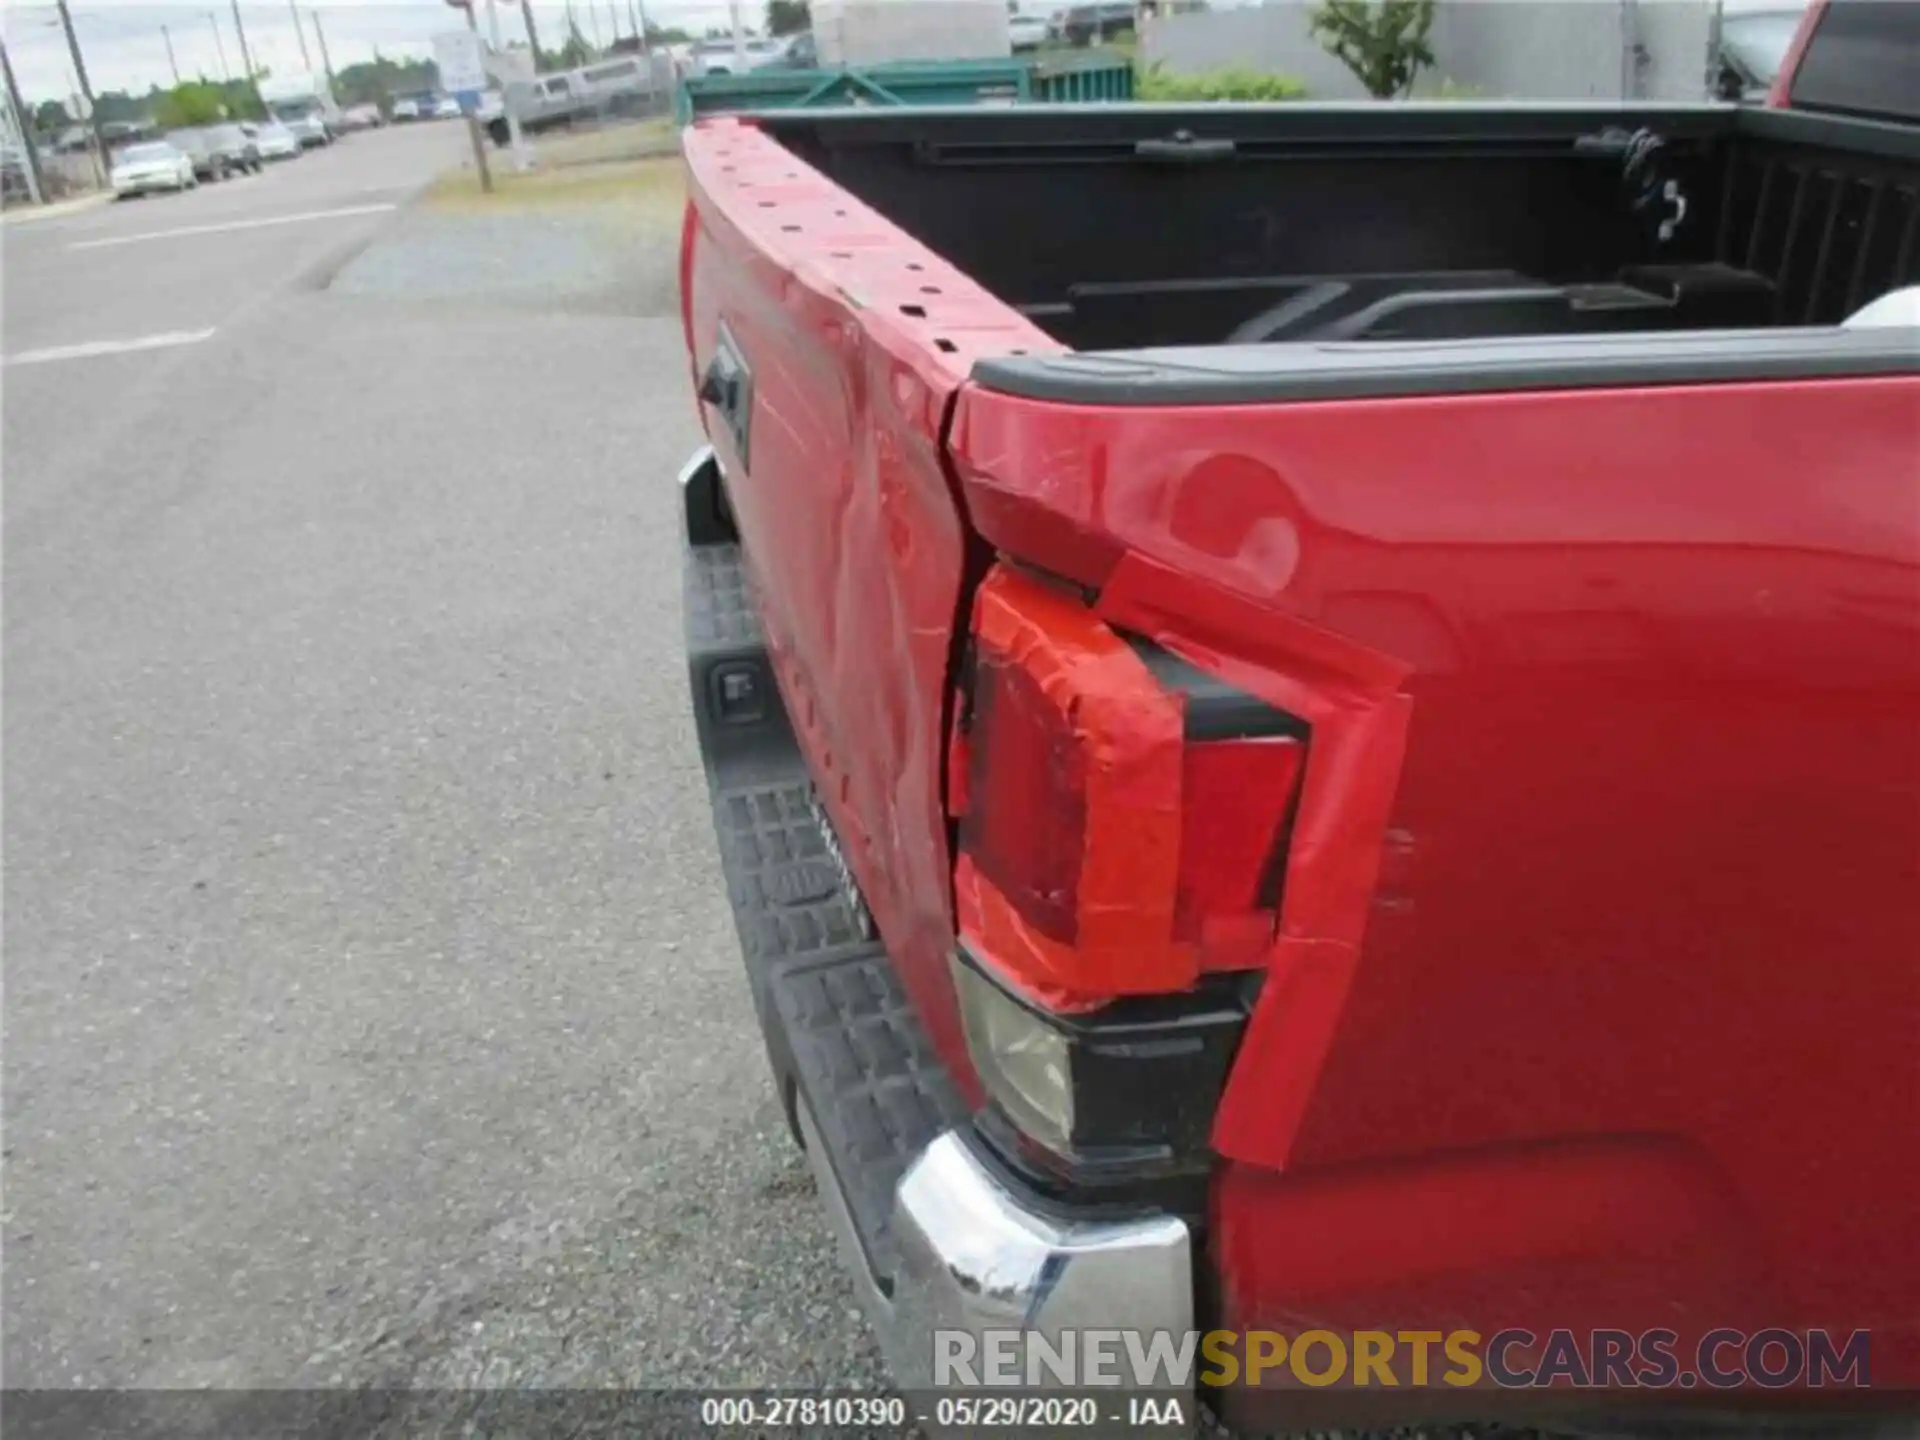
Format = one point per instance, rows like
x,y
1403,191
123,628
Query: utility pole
x,y
174,64
638,13
306,60
246,59
473,124
86,89
739,38
36,185
226,70
533,35
613,19
326,61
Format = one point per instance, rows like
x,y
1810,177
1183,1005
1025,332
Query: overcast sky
x,y
122,44
124,49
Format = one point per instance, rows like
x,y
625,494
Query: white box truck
x,y
303,102
872,32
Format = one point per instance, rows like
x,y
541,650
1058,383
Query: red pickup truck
x,y
1313,718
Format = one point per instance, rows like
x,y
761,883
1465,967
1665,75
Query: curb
x,y
319,276
55,210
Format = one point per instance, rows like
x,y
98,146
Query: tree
x,y
788,17
656,35
50,117
116,107
189,104
377,81
241,99
1383,42
575,52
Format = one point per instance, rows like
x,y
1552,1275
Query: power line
x,y
246,59
533,34
306,60
86,88
226,71
326,61
36,182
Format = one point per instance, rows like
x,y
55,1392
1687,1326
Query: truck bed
x,y
1581,558
1228,225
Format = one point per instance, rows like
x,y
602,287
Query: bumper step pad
x,y
875,1088
838,1026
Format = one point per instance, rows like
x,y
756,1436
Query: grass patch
x,y
1155,85
642,140
645,186
1060,55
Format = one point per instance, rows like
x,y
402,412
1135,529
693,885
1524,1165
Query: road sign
x,y
462,60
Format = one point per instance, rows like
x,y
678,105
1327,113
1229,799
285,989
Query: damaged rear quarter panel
x,y
1631,830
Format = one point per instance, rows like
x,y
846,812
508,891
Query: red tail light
x,y
1121,813
1026,835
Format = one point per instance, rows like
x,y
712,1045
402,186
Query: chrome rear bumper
x,y
978,1258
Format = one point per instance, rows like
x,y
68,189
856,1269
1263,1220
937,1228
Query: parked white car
x,y
716,57
141,169
1026,32
447,108
275,140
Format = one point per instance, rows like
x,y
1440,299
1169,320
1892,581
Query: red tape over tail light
x,y
1236,798
1071,835
1119,811
1028,840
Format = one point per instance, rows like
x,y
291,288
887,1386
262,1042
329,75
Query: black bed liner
x,y
1333,251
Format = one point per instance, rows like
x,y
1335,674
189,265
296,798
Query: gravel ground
x,y
380,1021
598,240
374,1016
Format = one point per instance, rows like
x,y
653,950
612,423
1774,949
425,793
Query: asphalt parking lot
x,y
373,1013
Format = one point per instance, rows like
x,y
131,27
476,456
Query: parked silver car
x,y
275,140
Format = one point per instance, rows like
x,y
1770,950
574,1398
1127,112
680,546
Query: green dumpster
x,y
1081,80
908,82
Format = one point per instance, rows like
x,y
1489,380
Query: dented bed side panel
x,y
853,341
